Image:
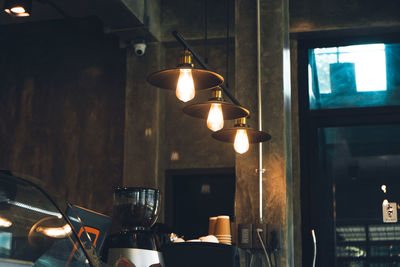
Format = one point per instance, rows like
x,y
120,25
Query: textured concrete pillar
x,y
276,108
141,148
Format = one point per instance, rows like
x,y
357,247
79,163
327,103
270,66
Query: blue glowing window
x,y
354,76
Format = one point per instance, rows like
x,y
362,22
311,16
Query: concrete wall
x,y
142,111
62,109
188,17
312,15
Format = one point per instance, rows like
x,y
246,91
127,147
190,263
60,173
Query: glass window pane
x,y
351,234
362,166
354,76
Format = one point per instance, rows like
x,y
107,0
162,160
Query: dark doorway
x,y
192,196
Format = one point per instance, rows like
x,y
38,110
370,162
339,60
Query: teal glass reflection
x,y
354,76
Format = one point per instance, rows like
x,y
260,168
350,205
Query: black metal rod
x,y
56,7
204,65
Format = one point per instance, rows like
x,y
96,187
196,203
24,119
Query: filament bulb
x,y
241,143
185,87
18,10
383,188
215,119
5,223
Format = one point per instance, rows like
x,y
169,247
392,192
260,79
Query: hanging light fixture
x,y
185,79
18,8
215,110
241,136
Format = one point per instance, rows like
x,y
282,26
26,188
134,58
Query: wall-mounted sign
x,y
389,211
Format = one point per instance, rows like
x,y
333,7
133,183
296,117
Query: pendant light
x,y
185,79
18,8
215,110
241,136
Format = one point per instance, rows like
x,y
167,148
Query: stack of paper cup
x,y
211,225
223,230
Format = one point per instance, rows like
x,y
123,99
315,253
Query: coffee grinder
x,y
136,209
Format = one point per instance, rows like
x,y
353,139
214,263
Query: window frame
x,y
312,119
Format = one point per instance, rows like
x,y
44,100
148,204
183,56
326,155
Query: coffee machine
x,y
136,209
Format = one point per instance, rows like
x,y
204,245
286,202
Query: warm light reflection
x,y
383,187
385,202
55,232
18,10
7,10
185,88
23,15
5,223
215,119
241,143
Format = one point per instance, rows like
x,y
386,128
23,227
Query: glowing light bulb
x,y
185,87
241,143
5,223
215,119
383,188
18,10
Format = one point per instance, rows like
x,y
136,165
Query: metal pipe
x,y
259,95
180,39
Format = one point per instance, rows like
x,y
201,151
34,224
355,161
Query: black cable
x,y
227,43
182,41
205,32
56,7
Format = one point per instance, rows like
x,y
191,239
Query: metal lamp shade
x,y
229,111
168,79
228,135
26,4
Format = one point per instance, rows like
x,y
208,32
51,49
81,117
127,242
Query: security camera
x,y
140,48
